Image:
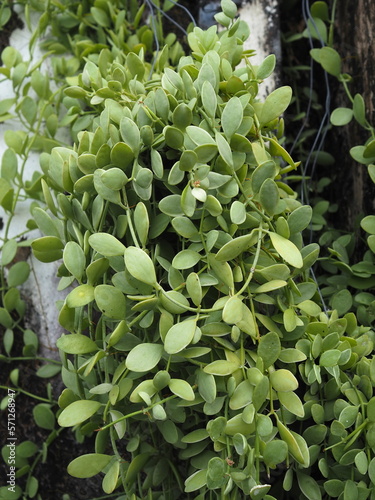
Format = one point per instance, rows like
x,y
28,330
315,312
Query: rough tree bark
x,y
355,33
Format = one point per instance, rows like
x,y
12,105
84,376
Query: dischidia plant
x,y
198,351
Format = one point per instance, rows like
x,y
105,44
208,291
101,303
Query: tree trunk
x,y
355,34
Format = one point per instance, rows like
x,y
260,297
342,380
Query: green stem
x,y
256,257
30,358
118,456
130,222
139,412
356,431
332,24
39,398
188,308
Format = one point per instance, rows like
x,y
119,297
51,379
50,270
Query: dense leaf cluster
x,y
197,347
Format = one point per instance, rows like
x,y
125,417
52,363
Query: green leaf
x,y
206,386
9,164
44,416
182,389
27,449
88,465
47,248
130,132
77,412
296,444
231,117
275,104
247,322
8,252
18,274
196,481
199,136
342,301
287,250
174,138
110,479
275,452
270,286
371,405
209,99
80,296
299,219
188,160
140,266
76,344
186,259
341,116
146,387
267,67
183,116
136,465
329,58
121,155
235,247
369,151
269,348
361,462
229,8
292,403
309,486
233,311
194,288
144,357
291,355
179,336
269,196
141,222
157,163
224,149
266,170
195,436
48,370
100,17
216,473
114,178
242,395
110,301
74,259
359,109
221,368
283,380
330,357
371,470
334,487
348,415
237,212
106,244
188,201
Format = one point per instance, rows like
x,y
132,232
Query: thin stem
x,y
130,222
139,412
39,398
30,358
256,258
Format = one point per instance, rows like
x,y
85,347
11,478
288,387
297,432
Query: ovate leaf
x,y
140,265
77,412
287,250
88,465
179,336
76,344
144,357
275,104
